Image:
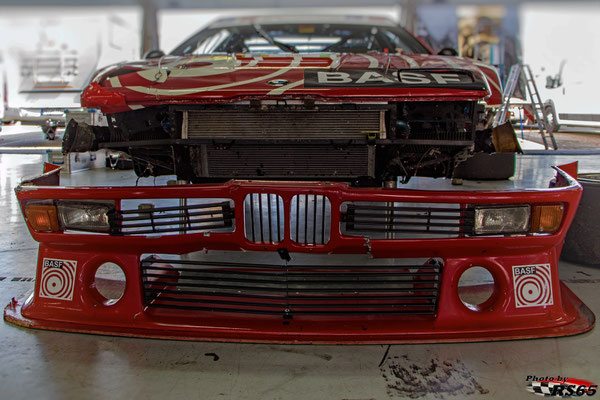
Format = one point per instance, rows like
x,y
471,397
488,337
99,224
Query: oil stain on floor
x,y
408,379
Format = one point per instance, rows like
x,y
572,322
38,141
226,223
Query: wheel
x,y
551,122
484,166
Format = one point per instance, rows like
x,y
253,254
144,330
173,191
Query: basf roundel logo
x,y
533,285
58,279
560,386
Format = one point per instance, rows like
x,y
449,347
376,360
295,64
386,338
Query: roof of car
x,y
302,19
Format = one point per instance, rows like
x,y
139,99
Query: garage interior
x,y
58,365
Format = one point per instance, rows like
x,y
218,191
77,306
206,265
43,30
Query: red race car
x,y
293,134
357,100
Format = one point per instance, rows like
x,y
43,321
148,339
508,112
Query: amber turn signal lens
x,y
547,218
42,218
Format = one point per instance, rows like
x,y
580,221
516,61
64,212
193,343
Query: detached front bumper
x,y
420,243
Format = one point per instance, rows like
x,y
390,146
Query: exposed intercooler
x,y
365,143
282,124
288,143
291,161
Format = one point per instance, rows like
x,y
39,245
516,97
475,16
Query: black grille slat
x,y
262,238
278,219
358,221
176,208
315,220
189,222
193,229
289,290
269,214
289,267
382,297
324,212
407,230
279,305
305,219
252,217
254,288
275,312
185,213
408,216
291,282
415,209
297,216
392,219
288,273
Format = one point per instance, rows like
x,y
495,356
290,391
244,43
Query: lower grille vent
x,y
288,290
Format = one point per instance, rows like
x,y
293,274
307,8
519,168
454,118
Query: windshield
x,y
303,38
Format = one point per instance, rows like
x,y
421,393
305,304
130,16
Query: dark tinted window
x,y
305,38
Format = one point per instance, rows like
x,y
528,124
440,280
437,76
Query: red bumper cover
x,y
276,303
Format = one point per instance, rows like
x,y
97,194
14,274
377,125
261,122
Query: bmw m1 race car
x,y
287,138
322,98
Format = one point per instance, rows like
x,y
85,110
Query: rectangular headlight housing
x,y
501,220
85,216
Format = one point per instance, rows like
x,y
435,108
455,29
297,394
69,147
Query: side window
x,y
209,44
402,42
399,47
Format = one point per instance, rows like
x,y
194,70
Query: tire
x,y
486,166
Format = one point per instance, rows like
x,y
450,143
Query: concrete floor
x,y
567,138
53,365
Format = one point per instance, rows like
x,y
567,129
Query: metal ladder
x,y
523,71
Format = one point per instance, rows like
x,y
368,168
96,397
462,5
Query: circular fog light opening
x,y
475,287
110,282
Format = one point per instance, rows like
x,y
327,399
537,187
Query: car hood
x,y
322,76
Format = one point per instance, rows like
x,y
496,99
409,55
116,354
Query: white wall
x,y
100,36
569,31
